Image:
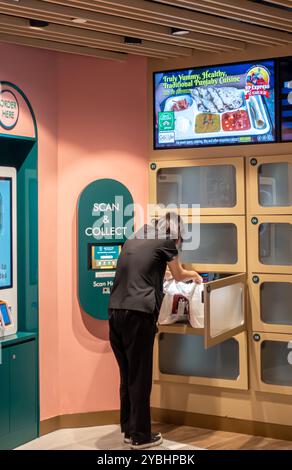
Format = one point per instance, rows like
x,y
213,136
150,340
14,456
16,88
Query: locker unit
x,y
223,337
216,185
242,383
232,240
270,243
269,228
180,357
272,353
224,310
270,185
213,242
271,301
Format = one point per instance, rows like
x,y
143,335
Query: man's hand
x,y
181,274
197,278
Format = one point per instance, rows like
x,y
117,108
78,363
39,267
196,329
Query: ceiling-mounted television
x,y
215,105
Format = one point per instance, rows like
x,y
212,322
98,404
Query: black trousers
x,y
132,337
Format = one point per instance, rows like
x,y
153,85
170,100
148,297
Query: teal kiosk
x,y
105,221
19,396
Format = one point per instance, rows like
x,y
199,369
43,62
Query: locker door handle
x,y
13,357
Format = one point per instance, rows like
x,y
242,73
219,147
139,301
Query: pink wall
x,y
35,72
102,124
92,122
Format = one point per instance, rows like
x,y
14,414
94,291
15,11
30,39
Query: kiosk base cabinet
x,y
4,384
18,385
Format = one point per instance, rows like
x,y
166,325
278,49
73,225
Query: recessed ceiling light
x,y
79,20
130,40
38,24
179,31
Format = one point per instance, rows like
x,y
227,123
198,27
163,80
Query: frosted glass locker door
x,y
225,307
214,244
270,244
182,358
216,185
273,354
271,302
270,185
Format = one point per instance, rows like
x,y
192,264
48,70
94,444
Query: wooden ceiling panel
x,y
159,13
213,25
282,3
116,25
242,10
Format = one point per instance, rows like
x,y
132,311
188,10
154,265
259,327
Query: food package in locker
x,y
182,302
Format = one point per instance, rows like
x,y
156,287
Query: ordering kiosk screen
x,y
8,252
5,232
104,257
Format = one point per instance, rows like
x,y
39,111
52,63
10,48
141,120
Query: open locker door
x,y
225,305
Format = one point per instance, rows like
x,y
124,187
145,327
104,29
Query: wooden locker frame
x,y
261,386
241,383
257,323
240,265
238,163
254,263
208,288
253,206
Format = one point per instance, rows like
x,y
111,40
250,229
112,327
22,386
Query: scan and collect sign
x,y
105,218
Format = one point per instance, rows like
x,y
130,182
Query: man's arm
x,y
181,274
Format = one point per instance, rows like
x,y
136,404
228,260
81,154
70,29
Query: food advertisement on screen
x,y
218,105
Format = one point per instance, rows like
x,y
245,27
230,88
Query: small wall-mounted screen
x,y
5,233
105,257
4,314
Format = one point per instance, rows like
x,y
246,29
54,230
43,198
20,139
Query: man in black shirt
x,y
134,306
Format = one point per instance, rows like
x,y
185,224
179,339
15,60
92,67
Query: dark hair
x,y
171,224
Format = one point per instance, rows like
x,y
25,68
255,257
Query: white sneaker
x,y
155,440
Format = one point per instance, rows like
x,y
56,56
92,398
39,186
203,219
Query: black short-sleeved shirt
x,y
138,283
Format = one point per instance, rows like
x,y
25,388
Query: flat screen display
x,y
4,314
105,257
286,98
217,105
5,233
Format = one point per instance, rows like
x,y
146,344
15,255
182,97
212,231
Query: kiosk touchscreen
x,y
103,258
8,255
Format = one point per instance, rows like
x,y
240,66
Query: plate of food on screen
x,y
217,111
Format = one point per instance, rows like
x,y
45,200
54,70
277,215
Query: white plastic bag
x,y
182,302
197,307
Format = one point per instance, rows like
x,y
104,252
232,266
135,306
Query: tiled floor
x,y
93,438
